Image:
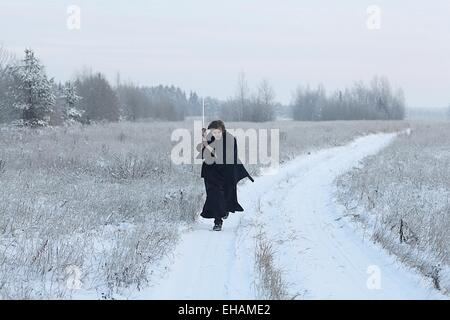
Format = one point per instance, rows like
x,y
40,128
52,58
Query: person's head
x,y
217,128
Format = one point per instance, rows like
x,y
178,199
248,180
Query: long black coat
x,y
221,172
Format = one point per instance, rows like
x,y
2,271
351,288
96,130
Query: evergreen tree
x,y
72,112
195,105
264,102
99,100
7,112
32,91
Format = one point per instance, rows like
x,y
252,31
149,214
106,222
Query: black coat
x,y
221,172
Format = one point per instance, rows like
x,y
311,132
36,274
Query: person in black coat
x,y
221,171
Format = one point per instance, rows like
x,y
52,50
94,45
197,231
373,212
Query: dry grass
x,y
402,196
106,199
270,284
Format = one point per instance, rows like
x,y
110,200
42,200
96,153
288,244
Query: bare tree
x,y
310,104
242,96
237,108
376,101
264,104
6,59
266,93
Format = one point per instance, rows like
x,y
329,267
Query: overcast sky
x,y
202,45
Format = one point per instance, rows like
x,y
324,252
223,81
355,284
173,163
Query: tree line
x,y
374,101
258,106
29,97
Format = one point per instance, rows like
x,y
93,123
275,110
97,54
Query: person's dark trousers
x,y
218,221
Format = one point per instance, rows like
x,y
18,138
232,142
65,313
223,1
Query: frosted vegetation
x,y
374,101
402,198
28,96
105,198
90,189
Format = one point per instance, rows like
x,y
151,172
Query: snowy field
x,y
401,198
318,256
96,212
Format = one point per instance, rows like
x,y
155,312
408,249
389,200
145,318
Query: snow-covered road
x,y
321,256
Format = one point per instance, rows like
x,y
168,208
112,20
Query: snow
x,y
320,253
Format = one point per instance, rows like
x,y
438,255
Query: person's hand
x,y
204,140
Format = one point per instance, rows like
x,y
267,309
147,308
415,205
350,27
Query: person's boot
x,y
226,216
217,224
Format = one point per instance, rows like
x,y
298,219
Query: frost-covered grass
x,y
270,284
402,198
105,201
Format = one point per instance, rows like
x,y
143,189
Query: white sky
x,y
203,45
